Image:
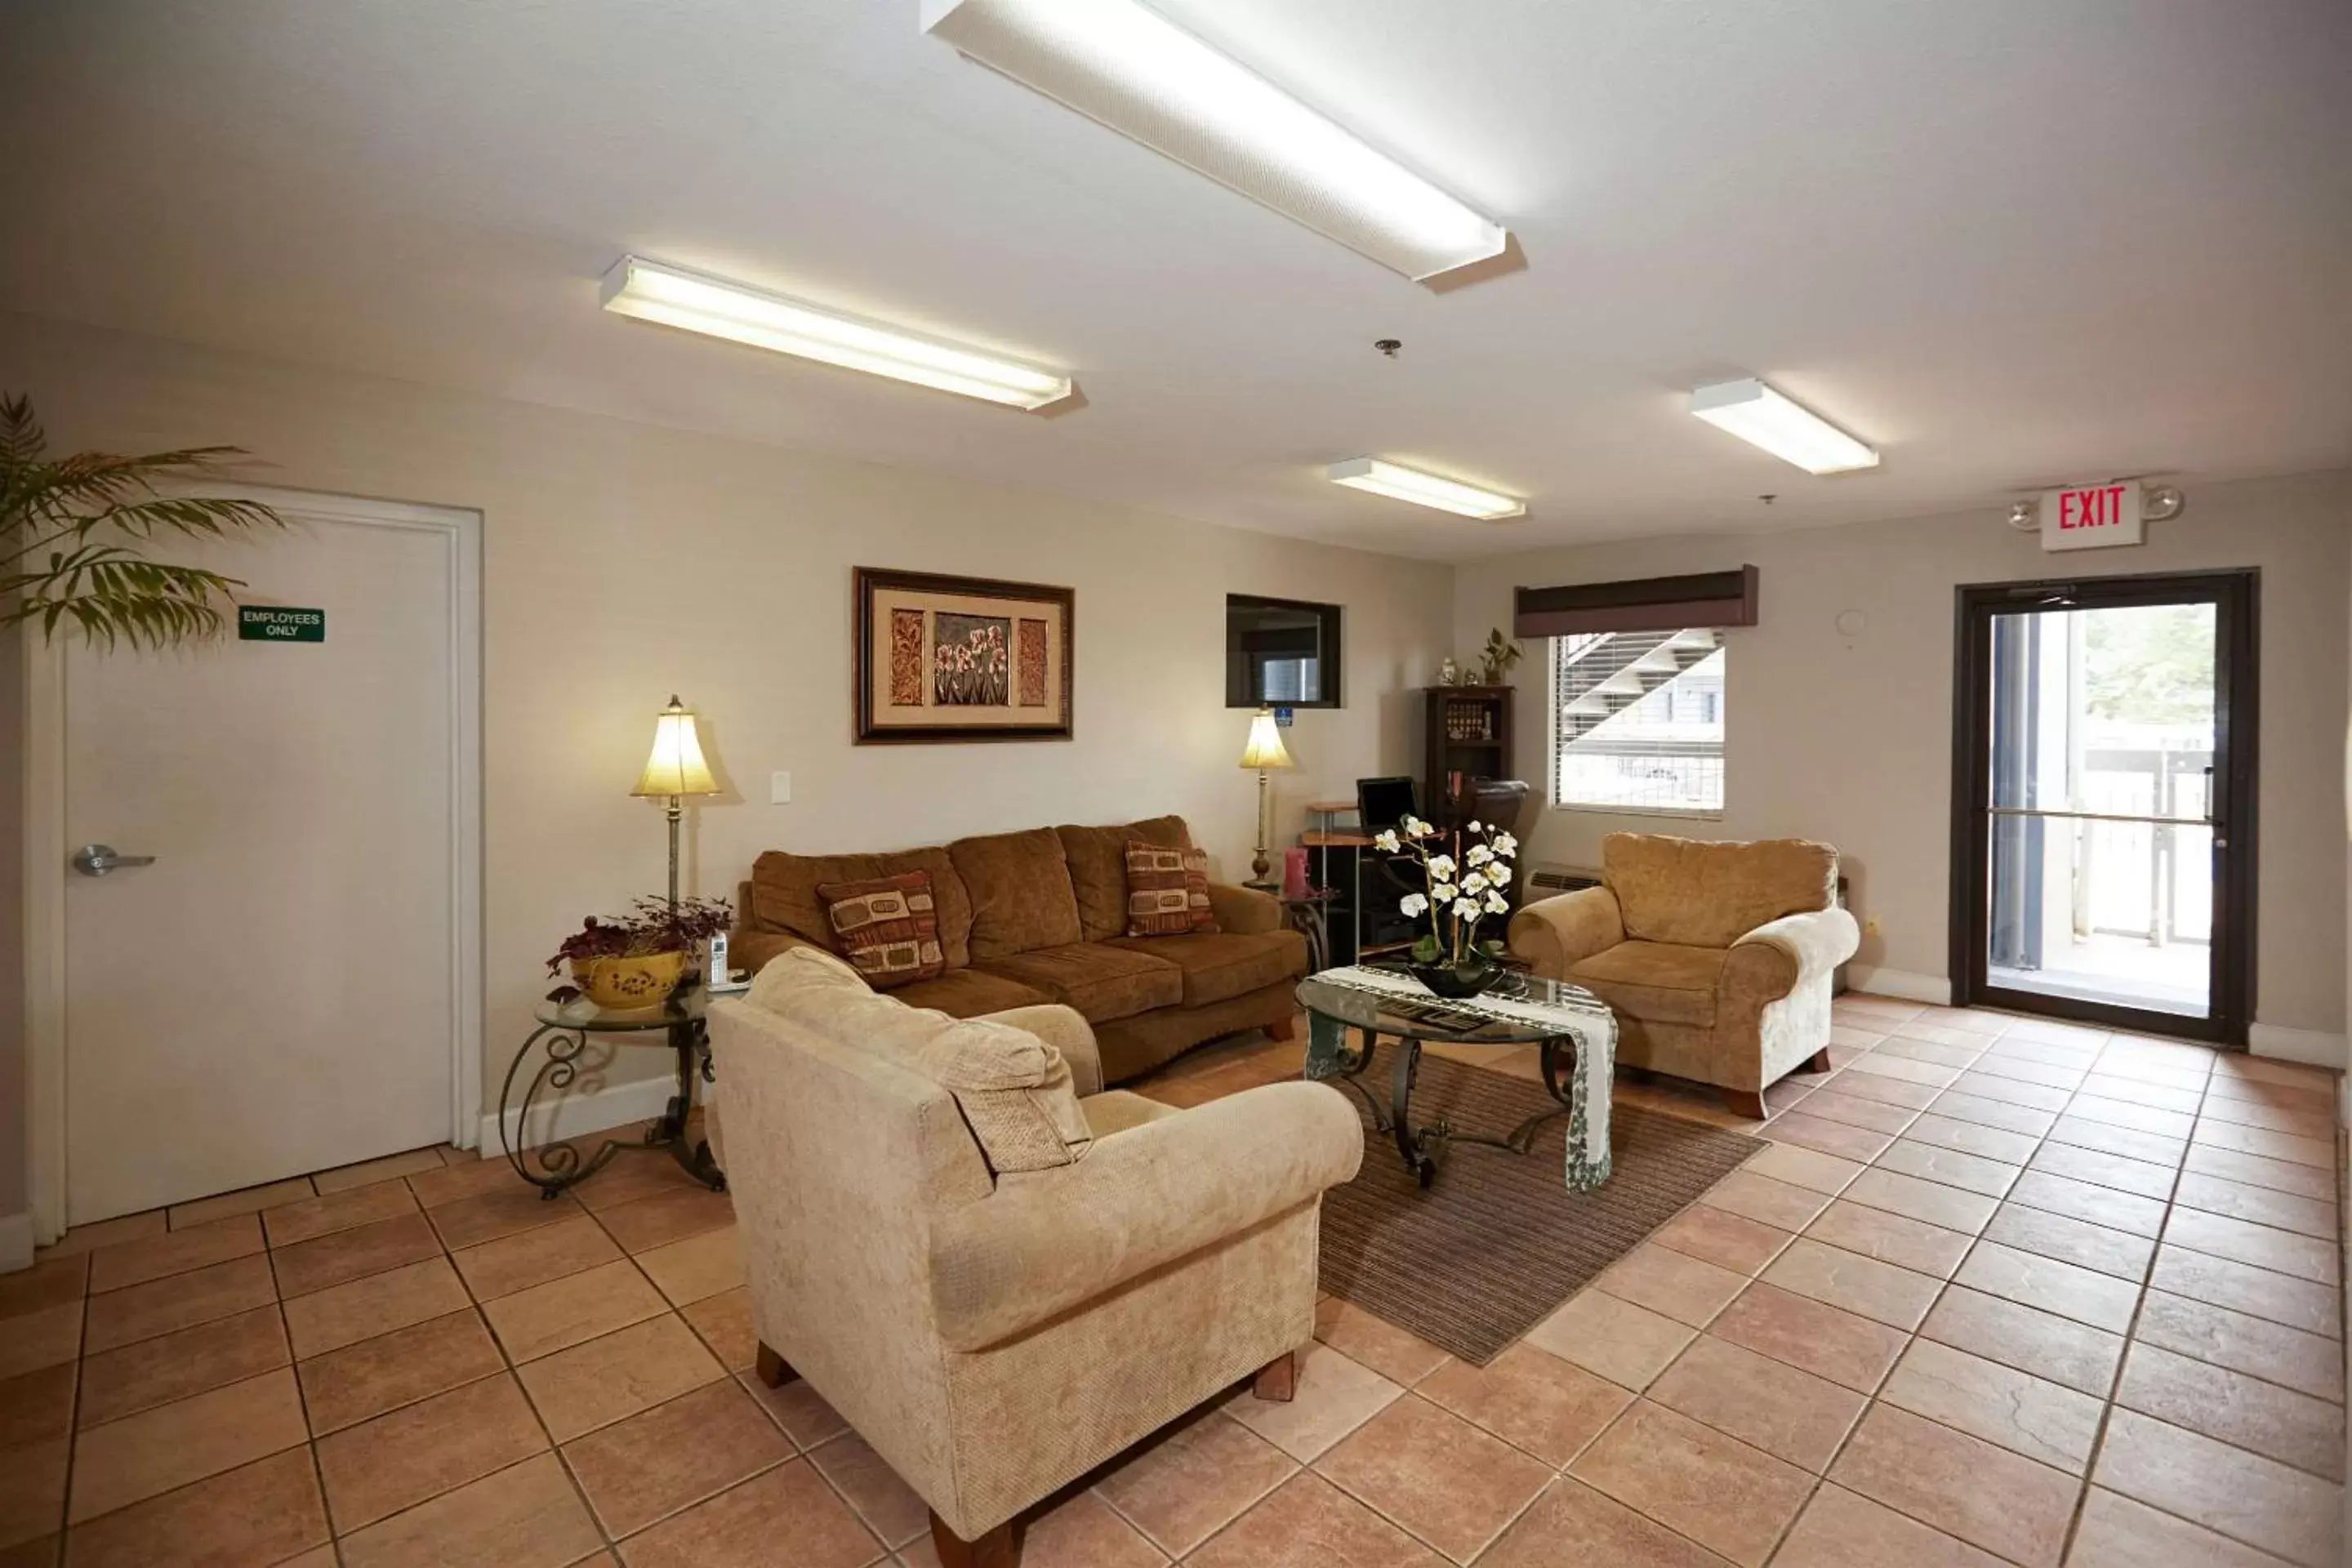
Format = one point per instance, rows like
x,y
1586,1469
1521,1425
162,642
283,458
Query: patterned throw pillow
x,y
1167,890
888,928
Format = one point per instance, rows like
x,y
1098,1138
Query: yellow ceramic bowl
x,y
642,982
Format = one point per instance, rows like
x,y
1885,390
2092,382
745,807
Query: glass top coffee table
x,y
1573,1028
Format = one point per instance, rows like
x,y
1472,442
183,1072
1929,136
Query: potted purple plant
x,y
636,960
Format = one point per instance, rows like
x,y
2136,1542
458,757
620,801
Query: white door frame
x,y
46,847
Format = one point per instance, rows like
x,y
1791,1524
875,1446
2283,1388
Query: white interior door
x,y
282,989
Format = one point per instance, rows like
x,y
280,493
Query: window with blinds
x,y
1637,720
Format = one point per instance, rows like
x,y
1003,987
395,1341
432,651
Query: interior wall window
x,y
1637,720
1281,653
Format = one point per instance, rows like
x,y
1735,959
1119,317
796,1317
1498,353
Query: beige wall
x,y
1849,739
623,562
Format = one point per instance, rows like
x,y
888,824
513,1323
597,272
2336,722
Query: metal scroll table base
x,y
561,1164
1421,1146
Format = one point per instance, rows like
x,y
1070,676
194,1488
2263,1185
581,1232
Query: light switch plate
x,y
780,789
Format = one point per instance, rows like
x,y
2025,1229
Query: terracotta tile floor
x,y
2001,1290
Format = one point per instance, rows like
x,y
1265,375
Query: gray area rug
x,y
1497,1243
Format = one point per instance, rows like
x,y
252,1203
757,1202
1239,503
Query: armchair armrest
x,y
1780,955
1553,933
1243,912
1066,1030
1049,1240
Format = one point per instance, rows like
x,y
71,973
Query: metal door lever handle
x,y
98,859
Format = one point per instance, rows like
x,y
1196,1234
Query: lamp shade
x,y
1264,749
676,766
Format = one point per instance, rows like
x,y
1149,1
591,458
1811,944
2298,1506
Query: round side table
x,y
565,1026
1311,918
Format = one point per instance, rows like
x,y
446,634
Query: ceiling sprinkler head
x,y
1388,346
2025,516
1767,500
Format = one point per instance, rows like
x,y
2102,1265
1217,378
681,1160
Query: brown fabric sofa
x,y
1717,958
1040,916
994,1336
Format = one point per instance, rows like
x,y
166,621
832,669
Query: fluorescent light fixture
x,y
652,292
1400,483
1762,417
1132,69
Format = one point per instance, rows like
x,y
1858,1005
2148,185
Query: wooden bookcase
x,y
1468,735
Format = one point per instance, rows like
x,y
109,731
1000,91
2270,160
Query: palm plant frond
x,y
76,508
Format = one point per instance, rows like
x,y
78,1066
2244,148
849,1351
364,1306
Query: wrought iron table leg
x,y
693,1154
1351,1074
560,1160
1523,1136
1411,1143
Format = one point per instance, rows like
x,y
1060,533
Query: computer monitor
x,y
1385,803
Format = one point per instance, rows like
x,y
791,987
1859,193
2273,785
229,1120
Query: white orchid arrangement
x,y
1461,893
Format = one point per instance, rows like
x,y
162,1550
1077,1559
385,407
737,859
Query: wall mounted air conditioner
x,y
1550,878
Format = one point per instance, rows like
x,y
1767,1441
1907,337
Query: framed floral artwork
x,y
942,659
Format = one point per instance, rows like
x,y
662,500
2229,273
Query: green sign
x,y
279,623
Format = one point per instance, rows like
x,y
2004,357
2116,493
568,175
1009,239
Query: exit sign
x,y
279,623
2087,517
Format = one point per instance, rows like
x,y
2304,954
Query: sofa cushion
x,y
1019,884
784,894
1014,1090
1221,964
1657,982
888,928
1098,979
1098,861
1702,894
970,992
1167,891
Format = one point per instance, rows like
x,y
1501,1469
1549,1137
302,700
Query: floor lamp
x,y
1265,752
675,770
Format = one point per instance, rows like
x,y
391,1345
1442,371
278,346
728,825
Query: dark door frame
x,y
2236,595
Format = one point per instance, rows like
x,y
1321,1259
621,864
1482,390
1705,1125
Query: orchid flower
x,y
1385,841
1413,903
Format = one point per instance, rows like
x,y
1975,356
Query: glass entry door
x,y
2106,821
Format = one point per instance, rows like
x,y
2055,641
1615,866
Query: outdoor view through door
x,y
2097,853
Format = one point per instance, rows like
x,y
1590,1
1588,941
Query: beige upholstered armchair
x,y
1717,958
998,1274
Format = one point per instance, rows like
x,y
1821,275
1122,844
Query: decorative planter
x,y
1452,981
644,981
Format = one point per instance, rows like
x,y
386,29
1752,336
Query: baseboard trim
x,y
576,1115
1932,989
15,1242
2312,1046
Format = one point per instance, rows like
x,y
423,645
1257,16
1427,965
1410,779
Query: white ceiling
x,y
2009,242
